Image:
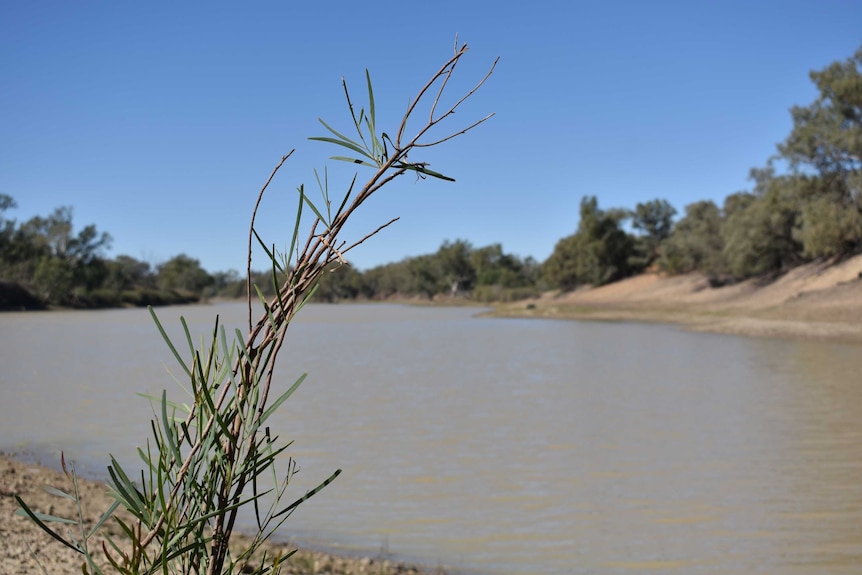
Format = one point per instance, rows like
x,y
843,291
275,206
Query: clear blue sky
x,y
160,121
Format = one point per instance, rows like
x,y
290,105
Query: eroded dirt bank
x,y
815,301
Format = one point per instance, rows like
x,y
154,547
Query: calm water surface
x,y
501,446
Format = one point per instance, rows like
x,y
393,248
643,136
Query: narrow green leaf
x,y
269,254
268,353
168,341
342,137
168,556
219,418
371,114
286,556
372,120
27,512
347,145
151,468
265,307
385,137
212,357
295,235
105,516
117,567
276,285
121,493
346,197
170,430
157,437
358,124
324,190
197,369
145,458
188,335
314,209
308,495
158,399
227,351
45,517
186,433
352,161
426,171
58,493
282,398
307,298
130,534
279,451
377,147
238,335
132,497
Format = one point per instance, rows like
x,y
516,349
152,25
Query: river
x,y
505,446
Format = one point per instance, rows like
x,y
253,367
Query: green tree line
x,y
811,210
49,263
455,269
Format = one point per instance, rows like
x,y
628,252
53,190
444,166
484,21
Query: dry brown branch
x,y
367,236
251,227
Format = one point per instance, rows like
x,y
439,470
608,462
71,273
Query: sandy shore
x,y
20,538
815,301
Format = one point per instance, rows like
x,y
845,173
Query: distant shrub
x,y
491,294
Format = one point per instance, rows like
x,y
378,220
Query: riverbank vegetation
x,y
804,205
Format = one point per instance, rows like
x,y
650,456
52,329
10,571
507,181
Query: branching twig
x,y
251,228
205,461
320,249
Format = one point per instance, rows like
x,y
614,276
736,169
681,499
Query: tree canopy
x,y
597,253
813,210
58,266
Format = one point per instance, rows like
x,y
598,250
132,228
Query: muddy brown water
x,y
498,445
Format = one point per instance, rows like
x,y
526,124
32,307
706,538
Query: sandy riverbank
x,y
815,301
18,535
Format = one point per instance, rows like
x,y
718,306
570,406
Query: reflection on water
x,y
504,446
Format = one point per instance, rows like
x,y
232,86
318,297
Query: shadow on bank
x,y
15,297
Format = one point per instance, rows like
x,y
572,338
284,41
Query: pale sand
x,y
815,301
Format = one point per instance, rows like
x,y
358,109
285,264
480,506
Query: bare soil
x,y
821,301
